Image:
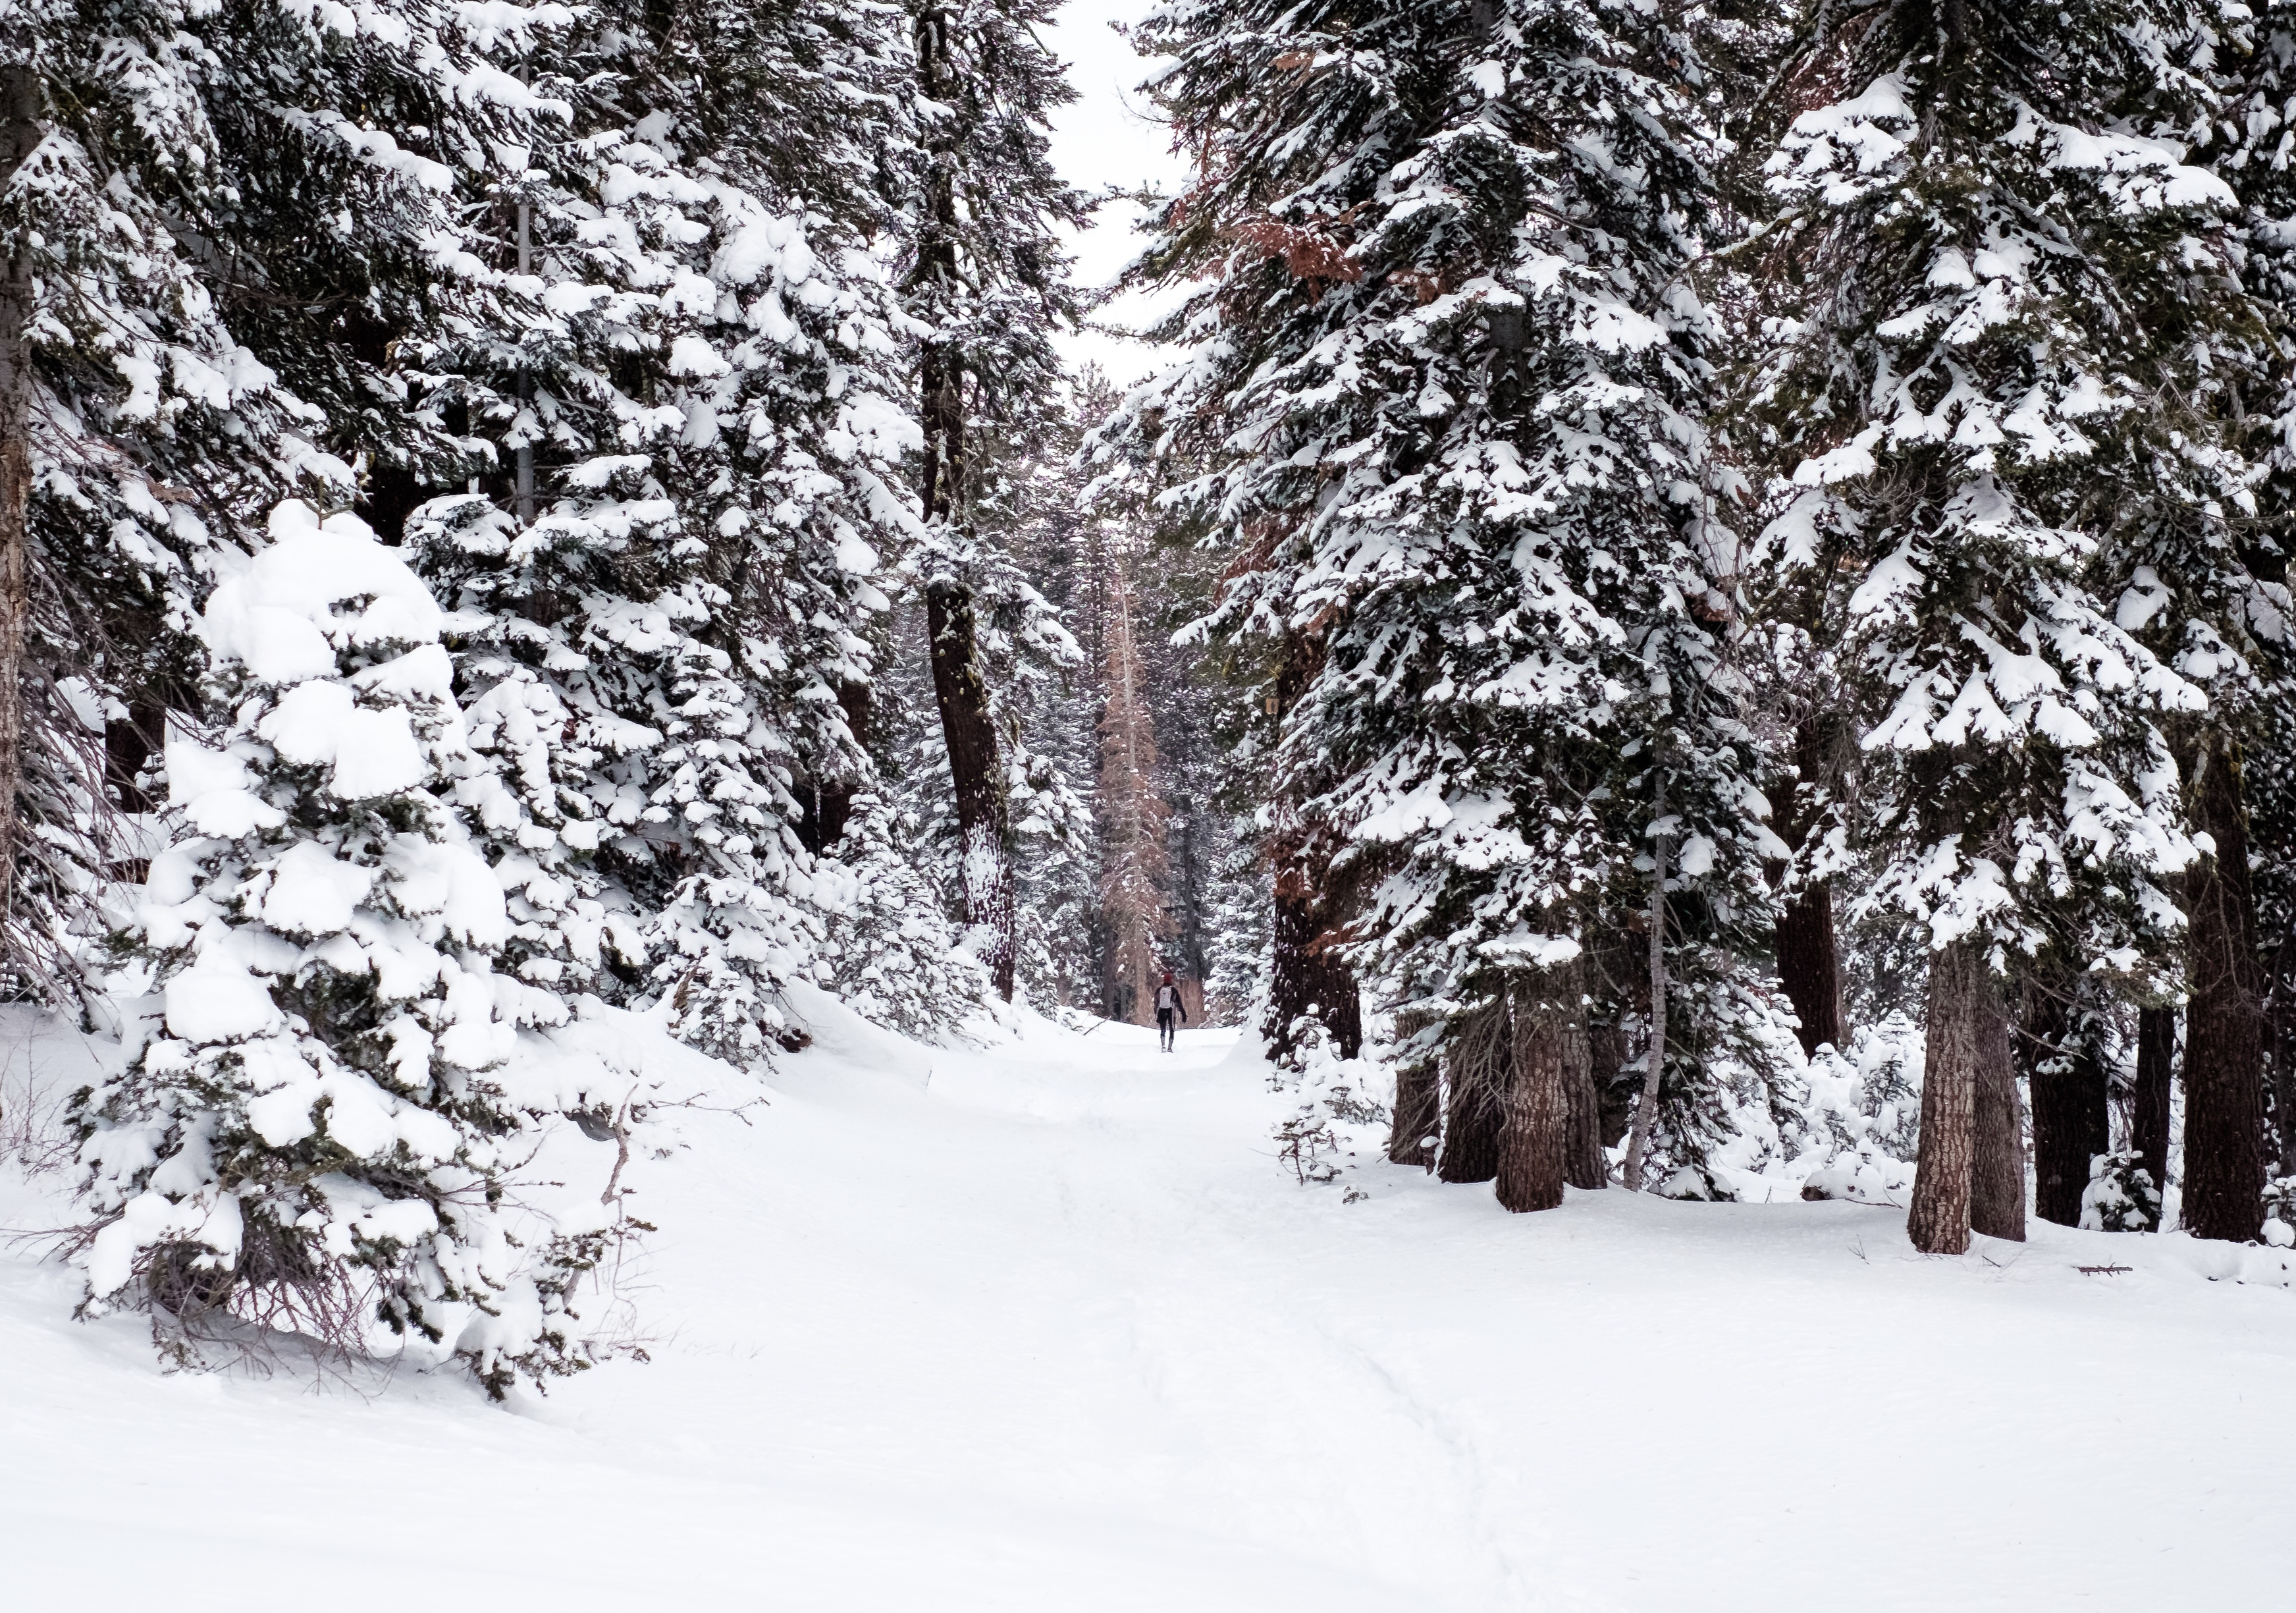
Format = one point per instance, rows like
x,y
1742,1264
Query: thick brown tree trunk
x,y
19,132
1584,1165
1534,1140
1810,969
1997,1182
1939,1221
1480,1059
2148,1107
2072,1116
2224,1021
1418,1115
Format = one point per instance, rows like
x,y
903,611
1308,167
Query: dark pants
x,y
1165,1026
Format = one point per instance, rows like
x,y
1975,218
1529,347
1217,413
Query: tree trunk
x,y
1584,1166
1939,1221
1810,969
1303,975
1647,1107
1997,1182
1418,1117
2071,1112
20,133
985,893
1534,1142
2148,1120
1809,965
1480,1059
2223,1021
985,870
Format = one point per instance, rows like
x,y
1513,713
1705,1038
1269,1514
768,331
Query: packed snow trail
x,y
1046,1327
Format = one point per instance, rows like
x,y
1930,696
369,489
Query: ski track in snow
x,y
1054,1331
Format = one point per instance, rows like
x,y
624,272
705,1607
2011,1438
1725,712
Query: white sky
x,y
1106,139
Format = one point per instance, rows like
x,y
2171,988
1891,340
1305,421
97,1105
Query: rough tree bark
x,y
1480,1060
2224,1021
1534,1140
2148,1107
1939,1220
1809,963
19,132
2071,1119
1997,1182
1418,1115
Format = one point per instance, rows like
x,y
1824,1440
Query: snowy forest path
x,y
1045,1325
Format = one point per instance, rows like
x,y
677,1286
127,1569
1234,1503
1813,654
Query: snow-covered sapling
x,y
312,1140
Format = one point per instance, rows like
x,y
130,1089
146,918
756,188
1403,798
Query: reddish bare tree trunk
x,y
1939,1220
19,132
1997,1182
2224,1021
1534,1140
2149,1103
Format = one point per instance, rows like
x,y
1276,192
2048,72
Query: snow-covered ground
x,y
1043,1326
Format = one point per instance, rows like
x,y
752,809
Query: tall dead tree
x,y
1133,816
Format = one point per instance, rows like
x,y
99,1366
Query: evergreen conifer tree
x,y
1971,398
1458,372
319,1139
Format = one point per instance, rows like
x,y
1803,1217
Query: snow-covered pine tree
x,y
2235,580
136,430
317,1139
987,281
1455,367
1976,210
665,634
